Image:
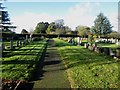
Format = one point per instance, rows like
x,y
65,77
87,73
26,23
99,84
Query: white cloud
x,y
81,14
30,20
113,17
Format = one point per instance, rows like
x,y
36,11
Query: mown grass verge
x,y
20,64
89,69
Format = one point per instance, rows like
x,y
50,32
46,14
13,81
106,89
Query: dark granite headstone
x,y
106,51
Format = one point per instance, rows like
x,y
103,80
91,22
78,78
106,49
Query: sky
x,y
26,15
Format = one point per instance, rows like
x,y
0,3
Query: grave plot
x,y
18,65
87,69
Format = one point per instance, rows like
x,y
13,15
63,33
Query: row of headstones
x,y
18,44
111,40
72,41
78,42
105,50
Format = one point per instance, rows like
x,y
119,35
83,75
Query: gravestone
x,y
27,37
17,43
73,41
96,49
31,39
118,43
20,42
90,48
111,53
101,49
85,45
118,52
106,51
23,43
94,45
112,40
26,41
78,40
97,40
11,44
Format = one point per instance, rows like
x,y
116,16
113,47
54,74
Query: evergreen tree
x,y
102,25
5,20
4,15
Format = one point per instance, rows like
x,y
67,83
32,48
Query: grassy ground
x,y
19,63
7,43
110,45
89,69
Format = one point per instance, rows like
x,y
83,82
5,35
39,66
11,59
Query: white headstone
x,y
78,40
113,40
97,40
118,43
111,53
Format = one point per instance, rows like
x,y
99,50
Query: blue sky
x,y
28,14
39,7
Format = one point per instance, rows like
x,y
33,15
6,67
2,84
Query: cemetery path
x,y
53,74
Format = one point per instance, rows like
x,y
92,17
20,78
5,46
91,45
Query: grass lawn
x,y
109,45
88,69
7,43
19,64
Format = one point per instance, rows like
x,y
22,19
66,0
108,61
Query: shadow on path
x,y
51,71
